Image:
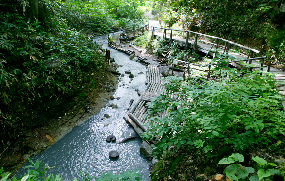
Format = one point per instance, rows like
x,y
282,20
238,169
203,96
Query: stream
x,y
85,147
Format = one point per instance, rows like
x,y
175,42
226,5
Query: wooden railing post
x,y
261,64
152,33
196,43
269,64
217,45
250,55
164,33
209,72
171,35
108,56
187,39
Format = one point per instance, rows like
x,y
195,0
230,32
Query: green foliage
x,y
255,23
240,172
39,173
43,65
100,17
215,118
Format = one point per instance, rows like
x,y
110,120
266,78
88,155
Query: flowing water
x,y
85,147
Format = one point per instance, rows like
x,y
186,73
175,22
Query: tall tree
x,y
33,10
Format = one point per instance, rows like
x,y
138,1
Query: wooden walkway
x,y
138,115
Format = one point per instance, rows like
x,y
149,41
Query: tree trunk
x,y
33,10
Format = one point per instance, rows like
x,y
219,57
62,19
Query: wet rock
x,y
128,72
141,73
118,98
132,56
113,154
114,106
106,115
165,73
112,60
139,93
128,138
107,124
131,102
122,75
131,76
112,97
145,149
111,138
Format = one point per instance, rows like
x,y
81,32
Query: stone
x,y
113,154
118,98
128,72
282,93
132,56
112,97
218,177
114,106
165,73
131,76
111,138
141,73
106,115
145,149
131,102
139,93
281,88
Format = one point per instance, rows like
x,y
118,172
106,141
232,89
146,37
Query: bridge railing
x,y
219,42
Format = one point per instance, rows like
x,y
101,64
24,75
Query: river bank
x,y
34,141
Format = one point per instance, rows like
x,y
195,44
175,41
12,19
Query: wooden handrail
x,y
213,37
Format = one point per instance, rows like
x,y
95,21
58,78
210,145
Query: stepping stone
x,y
111,138
114,154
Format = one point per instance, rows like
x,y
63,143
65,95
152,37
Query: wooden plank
x,y
137,121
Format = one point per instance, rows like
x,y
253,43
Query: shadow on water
x,y
85,147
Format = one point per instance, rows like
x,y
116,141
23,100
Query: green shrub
x,y
217,118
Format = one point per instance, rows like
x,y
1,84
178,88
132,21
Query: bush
x,y
217,118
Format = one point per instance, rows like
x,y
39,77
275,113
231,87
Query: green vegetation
x,y
255,23
240,112
47,63
238,172
38,172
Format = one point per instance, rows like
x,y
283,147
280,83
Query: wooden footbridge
x,y
138,115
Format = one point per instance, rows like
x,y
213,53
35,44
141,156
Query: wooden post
x,y
187,39
226,46
164,33
209,72
196,43
250,55
261,64
108,56
269,64
152,33
172,68
171,35
217,45
188,69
